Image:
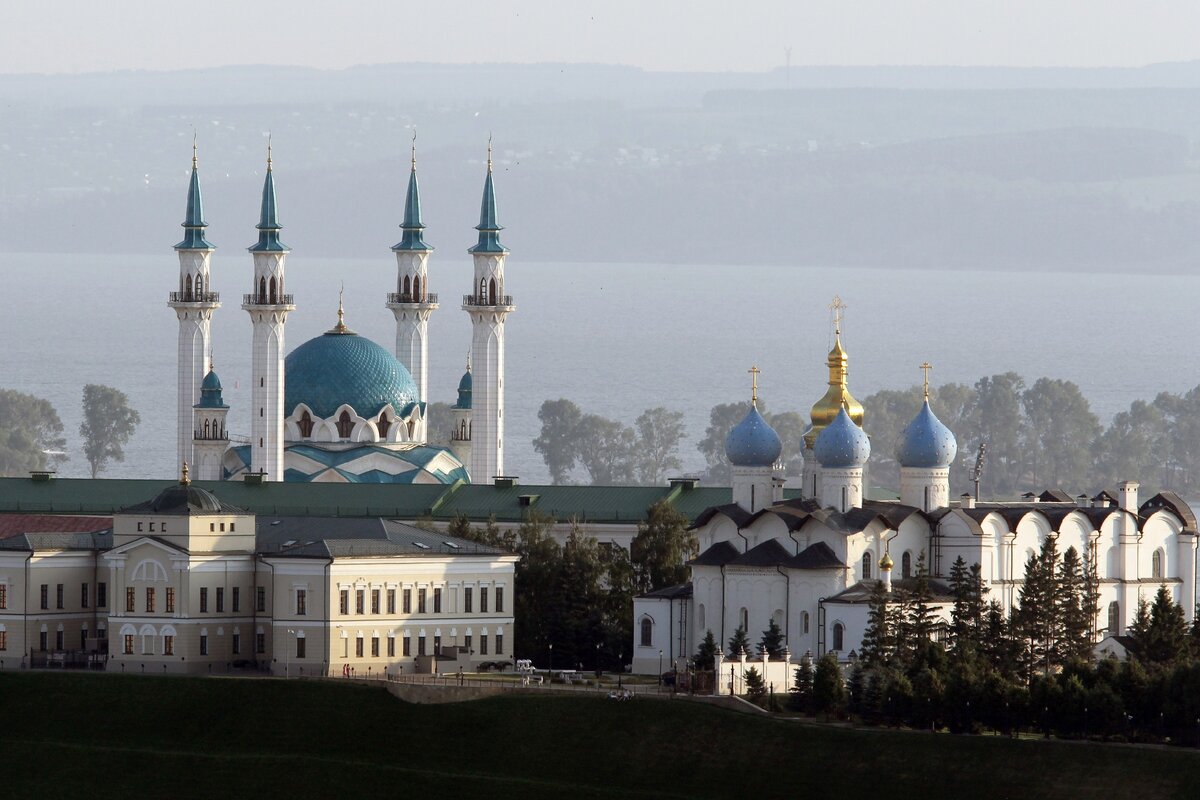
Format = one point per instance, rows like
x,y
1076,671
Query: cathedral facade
x,y
340,408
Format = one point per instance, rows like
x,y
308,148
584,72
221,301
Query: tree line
x,y
31,432
1031,670
575,603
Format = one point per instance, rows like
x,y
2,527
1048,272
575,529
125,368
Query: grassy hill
x,y
109,735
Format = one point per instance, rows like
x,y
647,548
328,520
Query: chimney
x,y
967,500
1128,492
1082,500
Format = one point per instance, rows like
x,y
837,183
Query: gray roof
x,y
718,555
349,537
861,591
58,541
670,592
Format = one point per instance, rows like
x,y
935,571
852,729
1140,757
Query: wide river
x,y
615,338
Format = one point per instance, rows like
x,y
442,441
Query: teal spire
x,y
193,221
412,226
489,229
210,391
268,224
464,388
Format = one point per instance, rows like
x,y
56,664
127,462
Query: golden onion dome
x,y
836,396
886,562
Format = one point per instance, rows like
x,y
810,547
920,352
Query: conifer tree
x,y
960,627
707,651
1139,629
739,642
878,641
921,616
1076,641
772,641
756,687
829,690
1167,635
802,685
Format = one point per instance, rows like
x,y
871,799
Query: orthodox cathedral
x,y
809,561
340,408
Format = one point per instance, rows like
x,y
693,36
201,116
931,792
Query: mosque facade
x,y
340,408
809,563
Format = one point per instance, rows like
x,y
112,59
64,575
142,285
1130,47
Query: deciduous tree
x,y
108,422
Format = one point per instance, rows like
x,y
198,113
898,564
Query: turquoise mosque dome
x,y
210,392
753,442
464,390
340,367
842,445
926,442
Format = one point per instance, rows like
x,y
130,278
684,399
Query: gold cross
x,y
754,370
489,151
268,152
341,312
193,149
837,307
414,149
926,367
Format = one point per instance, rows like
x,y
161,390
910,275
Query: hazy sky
x,y
743,35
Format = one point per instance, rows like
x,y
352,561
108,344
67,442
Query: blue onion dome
x,y
342,367
210,392
842,444
926,442
464,390
753,442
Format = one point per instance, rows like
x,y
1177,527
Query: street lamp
x,y
287,653
597,660
620,668
551,646
660,668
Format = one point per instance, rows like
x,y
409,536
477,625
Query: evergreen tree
x,y
960,624
1139,629
739,643
1070,607
921,616
662,546
1037,615
706,653
756,687
802,685
829,690
772,641
877,640
996,641
1089,599
1167,634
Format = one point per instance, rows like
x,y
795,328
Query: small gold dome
x,y
886,562
836,396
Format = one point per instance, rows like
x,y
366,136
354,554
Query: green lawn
x,y
108,735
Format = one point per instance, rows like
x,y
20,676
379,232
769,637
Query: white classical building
x,y
185,582
340,408
810,563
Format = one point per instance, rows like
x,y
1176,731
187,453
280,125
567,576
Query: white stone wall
x,y
926,489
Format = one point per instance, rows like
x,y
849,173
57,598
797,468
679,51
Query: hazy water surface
x,y
615,338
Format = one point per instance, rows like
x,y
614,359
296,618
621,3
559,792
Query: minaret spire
x,y
412,302
194,305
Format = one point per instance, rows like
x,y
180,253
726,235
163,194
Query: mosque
x,y
340,408
809,560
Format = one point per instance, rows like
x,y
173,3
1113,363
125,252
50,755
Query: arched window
x,y
1114,618
647,638
412,426
482,298
199,287
272,289
462,430
700,617
1114,563
866,566
205,429
804,622
406,291
262,290
492,292
839,634
345,426
417,289
384,426
906,565
187,288
744,616
305,425
1156,564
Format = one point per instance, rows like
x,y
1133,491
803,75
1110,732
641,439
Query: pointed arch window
x,y
866,566
262,290
1114,618
199,287
406,289
412,426
187,288
906,565
305,425
272,289
482,299
206,429
839,636
492,292
345,426
384,426
417,298
1156,564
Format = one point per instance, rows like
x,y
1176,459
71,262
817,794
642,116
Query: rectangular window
x,y
140,527
374,601
420,601
168,645
101,595
467,600
203,645
408,601
149,600
220,599
300,647
45,595
170,600
374,647
83,639
58,596
260,643
203,599
437,601
391,646
44,641
482,599
391,601
420,645
301,602
84,600
237,643
499,644
499,599
3,640
358,647
129,640
483,644
407,646
260,598
344,601
237,599
60,640
232,529
3,595
359,600
467,642
130,599
437,645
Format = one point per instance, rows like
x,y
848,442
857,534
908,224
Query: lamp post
x,y
287,654
620,668
551,647
597,661
660,669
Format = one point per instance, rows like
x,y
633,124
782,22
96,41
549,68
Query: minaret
x,y
488,306
209,436
412,302
194,305
268,306
460,441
